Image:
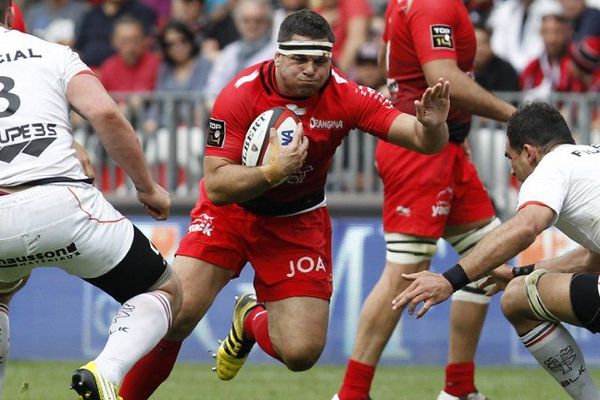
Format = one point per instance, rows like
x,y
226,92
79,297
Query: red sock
x,y
460,379
357,381
150,371
256,327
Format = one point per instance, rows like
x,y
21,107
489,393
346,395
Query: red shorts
x,y
291,256
425,193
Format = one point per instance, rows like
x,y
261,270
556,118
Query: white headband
x,y
298,47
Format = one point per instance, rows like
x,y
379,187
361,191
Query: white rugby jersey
x,y
35,129
567,180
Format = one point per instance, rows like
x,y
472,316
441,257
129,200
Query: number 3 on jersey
x,y
13,100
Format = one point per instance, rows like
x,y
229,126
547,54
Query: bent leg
x,y
296,330
548,341
200,283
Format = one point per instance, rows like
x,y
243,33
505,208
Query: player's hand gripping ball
x,y
256,144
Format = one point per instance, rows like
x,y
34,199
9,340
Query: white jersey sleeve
x,y
35,128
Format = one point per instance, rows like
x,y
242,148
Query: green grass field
x,y
49,381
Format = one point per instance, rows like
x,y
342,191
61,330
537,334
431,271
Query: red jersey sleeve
x,y
373,112
229,120
433,25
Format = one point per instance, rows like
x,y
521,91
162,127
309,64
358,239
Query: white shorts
x,y
71,227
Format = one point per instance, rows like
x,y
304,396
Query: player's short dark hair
x,y
4,7
538,124
305,23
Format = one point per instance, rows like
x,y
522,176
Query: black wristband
x,y
457,277
524,270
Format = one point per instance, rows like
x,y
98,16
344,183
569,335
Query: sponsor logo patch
x,y
216,133
441,37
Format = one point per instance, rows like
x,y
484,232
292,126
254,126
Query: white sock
x,y
4,343
138,326
557,352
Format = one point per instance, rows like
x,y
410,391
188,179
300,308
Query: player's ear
x,y
532,153
277,59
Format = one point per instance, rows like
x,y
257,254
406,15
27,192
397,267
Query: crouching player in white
x,y
50,214
561,187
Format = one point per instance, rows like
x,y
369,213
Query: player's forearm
x,y
469,96
578,260
233,183
497,247
431,139
121,143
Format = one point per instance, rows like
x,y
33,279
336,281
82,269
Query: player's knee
x,y
301,356
514,299
184,323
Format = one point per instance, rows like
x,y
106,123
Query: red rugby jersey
x,y
19,22
327,117
419,31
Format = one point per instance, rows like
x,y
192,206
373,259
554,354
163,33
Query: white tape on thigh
x,y
408,249
466,241
472,294
533,297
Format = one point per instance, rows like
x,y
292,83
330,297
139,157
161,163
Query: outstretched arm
x,y
496,248
427,132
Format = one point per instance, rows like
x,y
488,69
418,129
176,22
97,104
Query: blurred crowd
x,y
539,47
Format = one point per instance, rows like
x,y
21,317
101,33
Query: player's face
x,y
521,165
301,75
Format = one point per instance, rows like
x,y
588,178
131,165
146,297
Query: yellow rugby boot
x,y
234,350
90,384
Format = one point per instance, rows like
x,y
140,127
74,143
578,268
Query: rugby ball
x,y
256,143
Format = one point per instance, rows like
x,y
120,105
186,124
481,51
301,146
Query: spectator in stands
x,y
94,39
162,9
183,69
585,64
56,20
492,72
368,72
550,72
222,29
192,14
586,20
254,19
349,20
479,10
516,30
133,68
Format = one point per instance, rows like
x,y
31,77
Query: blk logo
x,y
286,137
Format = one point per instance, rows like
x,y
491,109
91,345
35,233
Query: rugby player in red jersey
x,y
428,197
275,215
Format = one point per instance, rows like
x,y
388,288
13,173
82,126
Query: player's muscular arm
x,y
427,132
508,240
89,98
228,182
466,93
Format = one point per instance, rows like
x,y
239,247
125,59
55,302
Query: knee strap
x,y
462,244
533,297
409,249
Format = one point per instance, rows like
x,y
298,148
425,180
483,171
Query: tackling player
x,y
275,215
561,187
69,224
428,197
